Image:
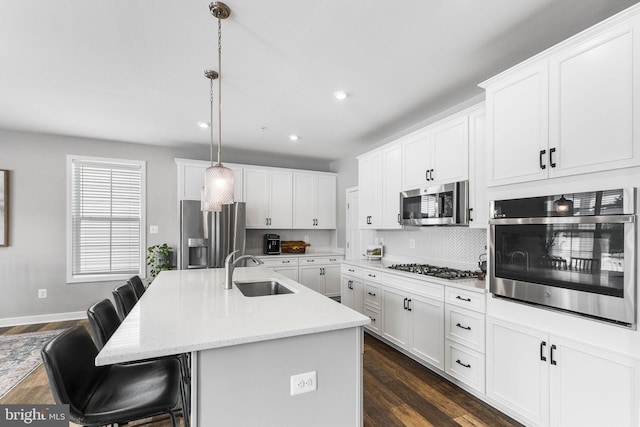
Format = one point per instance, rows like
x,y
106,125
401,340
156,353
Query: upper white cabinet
x,y
268,194
478,200
370,181
314,201
191,179
437,155
569,110
391,185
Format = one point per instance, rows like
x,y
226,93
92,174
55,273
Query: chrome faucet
x,y
230,265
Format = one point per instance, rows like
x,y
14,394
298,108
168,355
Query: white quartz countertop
x,y
189,310
474,285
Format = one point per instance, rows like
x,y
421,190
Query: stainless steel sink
x,y
262,288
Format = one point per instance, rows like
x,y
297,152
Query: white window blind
x,y
106,219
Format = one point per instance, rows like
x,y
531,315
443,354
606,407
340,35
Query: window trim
x,y
69,231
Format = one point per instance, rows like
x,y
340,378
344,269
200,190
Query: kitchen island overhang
x,y
246,349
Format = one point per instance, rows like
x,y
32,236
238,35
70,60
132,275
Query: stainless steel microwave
x,y
572,252
446,204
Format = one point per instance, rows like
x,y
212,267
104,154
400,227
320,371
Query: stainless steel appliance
x,y
271,244
446,204
206,238
435,271
573,252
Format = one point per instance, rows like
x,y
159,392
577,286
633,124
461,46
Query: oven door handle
x,y
597,219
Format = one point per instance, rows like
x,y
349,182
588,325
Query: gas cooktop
x,y
435,271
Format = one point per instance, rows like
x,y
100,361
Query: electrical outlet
x,y
306,239
376,241
412,243
304,383
42,293
382,241
153,229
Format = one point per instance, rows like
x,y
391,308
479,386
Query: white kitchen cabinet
x,y
517,126
268,194
478,200
285,266
570,110
352,292
314,201
593,88
391,186
437,155
547,380
322,274
370,184
414,322
191,179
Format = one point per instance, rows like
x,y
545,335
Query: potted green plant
x,y
158,259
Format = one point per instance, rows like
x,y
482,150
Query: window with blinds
x,y
106,226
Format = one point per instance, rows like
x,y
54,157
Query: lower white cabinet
x,y
322,274
415,323
547,380
352,293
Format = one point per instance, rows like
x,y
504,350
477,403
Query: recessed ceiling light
x,y
204,125
294,137
340,95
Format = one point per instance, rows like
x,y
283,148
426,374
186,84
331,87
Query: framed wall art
x,y
4,207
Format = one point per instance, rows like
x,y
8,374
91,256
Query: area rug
x,y
20,355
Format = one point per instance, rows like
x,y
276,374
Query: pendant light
x,y
218,180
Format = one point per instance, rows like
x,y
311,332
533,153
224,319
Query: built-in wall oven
x,y
573,252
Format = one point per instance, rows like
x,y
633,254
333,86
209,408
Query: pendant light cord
x,y
219,92
211,118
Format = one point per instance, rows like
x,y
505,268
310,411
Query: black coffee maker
x,y
271,244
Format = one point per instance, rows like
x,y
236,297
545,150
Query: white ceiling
x,y
132,70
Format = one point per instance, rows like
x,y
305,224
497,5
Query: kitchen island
x,y
245,350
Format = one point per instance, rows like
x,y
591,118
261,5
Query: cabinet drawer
x,y
467,299
372,294
374,315
322,260
465,327
465,364
280,262
373,275
351,270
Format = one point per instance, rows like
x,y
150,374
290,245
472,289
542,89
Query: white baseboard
x,y
42,318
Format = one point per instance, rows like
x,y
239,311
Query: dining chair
x,y
101,395
125,299
103,321
138,286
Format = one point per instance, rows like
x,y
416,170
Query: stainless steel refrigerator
x,y
206,238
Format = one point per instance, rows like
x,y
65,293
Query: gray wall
x,y
36,255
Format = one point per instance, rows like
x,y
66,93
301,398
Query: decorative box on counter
x,y
293,246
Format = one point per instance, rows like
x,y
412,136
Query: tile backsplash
x,y
457,247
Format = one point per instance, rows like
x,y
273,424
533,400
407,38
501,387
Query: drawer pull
x,y
468,328
373,319
351,270
462,364
463,299
372,294
311,260
286,262
332,259
371,275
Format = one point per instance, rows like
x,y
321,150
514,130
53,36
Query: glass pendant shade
x,y
218,187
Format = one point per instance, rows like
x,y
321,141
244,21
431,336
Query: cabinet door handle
x,y
463,299
553,361
431,175
551,151
322,271
426,175
543,344
266,221
462,364
470,212
468,328
350,284
542,153
399,222
405,304
409,304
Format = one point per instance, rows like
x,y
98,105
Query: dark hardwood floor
x,y
398,391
